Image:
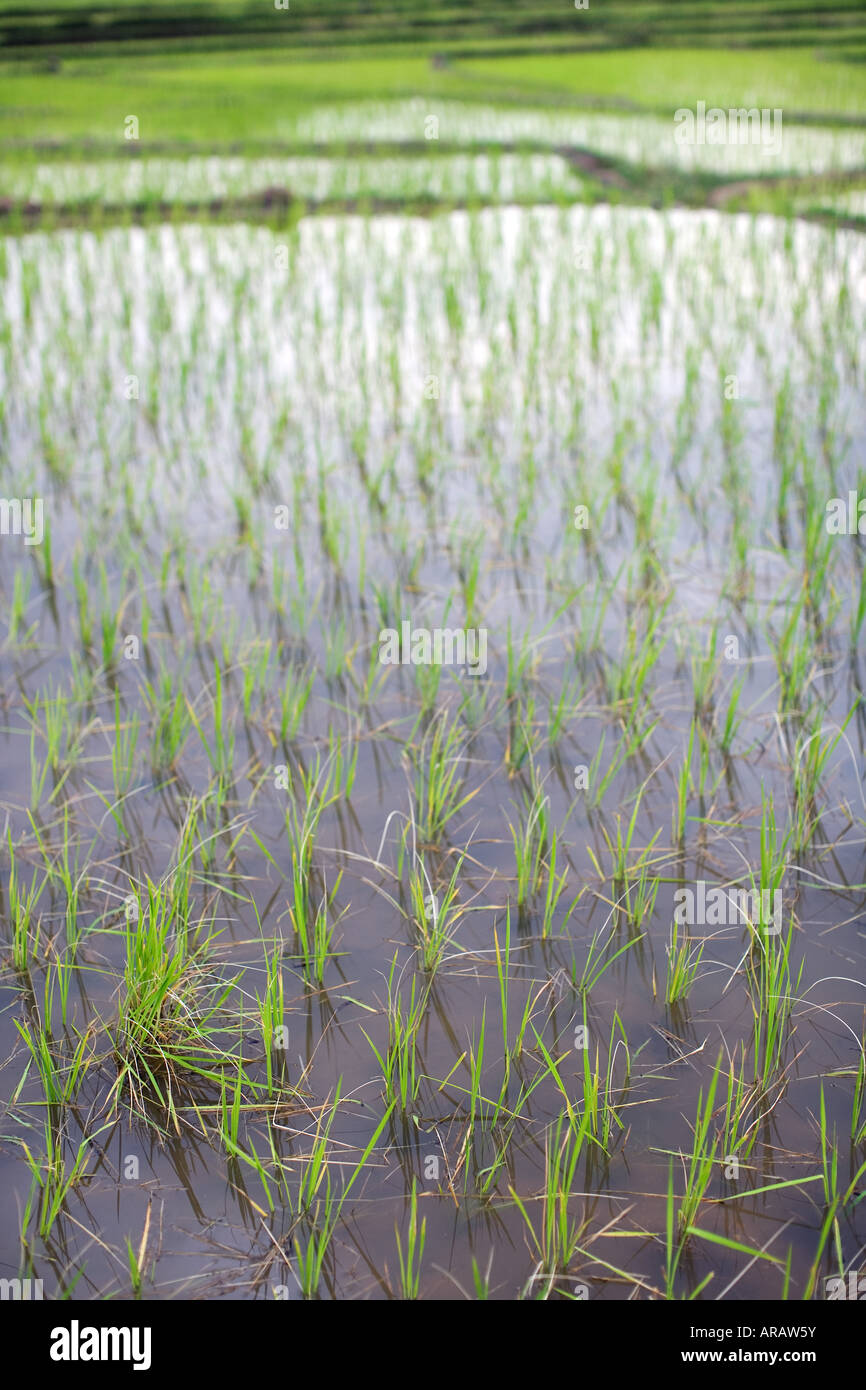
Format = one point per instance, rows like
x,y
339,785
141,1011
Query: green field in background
x,y
211,97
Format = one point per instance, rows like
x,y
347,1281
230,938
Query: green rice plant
x,y
555,889
62,742
774,852
399,1062
311,1257
481,1282
642,892
505,1122
82,597
512,1050
740,1123
684,782
627,675
794,654
314,927
698,1174
809,763
599,1103
123,748
294,694
772,988
170,714
135,1260
45,556
839,1202
522,737
135,1274
84,680
436,916
772,991
634,891
59,1085
60,871
51,1177
676,1241
311,792
816,554
569,699
390,602
673,1247
410,1262
169,1022
598,783
503,976
703,762
683,964
858,613
438,778
326,1218
428,678
497,1117
829,1156
255,669
272,1010
203,599
343,765
518,665
109,623
303,606
594,603
858,1105
476,699
372,683
51,1180
478,1107
531,1001
732,721
38,773
705,671
230,1116
596,965
315,1166
531,843
22,910
558,1239
220,751
638,728
836,1201
229,1131
196,842
335,636
17,609
65,963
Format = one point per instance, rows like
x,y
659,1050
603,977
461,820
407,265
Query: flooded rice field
x,y
432,752
753,139
539,176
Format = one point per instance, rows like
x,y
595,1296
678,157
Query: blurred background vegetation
x,y
230,76
467,26
222,69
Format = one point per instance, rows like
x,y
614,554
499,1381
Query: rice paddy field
x,y
433,627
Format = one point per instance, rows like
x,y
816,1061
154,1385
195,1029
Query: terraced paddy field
x,y
433,619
